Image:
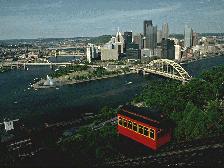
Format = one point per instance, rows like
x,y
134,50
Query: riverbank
x,y
194,59
67,81
196,112
4,69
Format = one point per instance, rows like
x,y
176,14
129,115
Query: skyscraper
x,y
159,36
188,36
127,40
150,33
165,31
138,39
168,49
195,39
177,52
119,42
146,24
91,52
128,37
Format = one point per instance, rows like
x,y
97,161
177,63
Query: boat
x,y
129,83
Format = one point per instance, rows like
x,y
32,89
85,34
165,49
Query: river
x,y
66,102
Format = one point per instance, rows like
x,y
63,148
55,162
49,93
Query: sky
x,y
22,19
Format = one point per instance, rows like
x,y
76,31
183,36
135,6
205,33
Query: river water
x,y
51,105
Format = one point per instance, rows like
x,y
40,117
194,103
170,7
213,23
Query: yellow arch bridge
x,y
167,68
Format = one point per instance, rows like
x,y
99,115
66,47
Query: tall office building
x,y
165,31
188,37
128,37
138,39
150,33
114,48
127,40
146,24
168,49
159,36
119,42
91,52
195,39
177,52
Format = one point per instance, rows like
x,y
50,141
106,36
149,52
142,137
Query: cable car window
x,y
130,124
140,129
135,127
146,131
152,134
125,123
120,121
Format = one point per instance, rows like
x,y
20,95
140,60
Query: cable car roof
x,y
150,116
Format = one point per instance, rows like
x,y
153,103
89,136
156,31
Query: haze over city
x,y
72,18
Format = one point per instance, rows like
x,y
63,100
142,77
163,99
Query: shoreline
x,y
187,61
39,84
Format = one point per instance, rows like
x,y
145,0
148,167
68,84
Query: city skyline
x,y
46,19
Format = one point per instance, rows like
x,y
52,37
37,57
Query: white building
x,y
176,41
165,31
114,48
177,52
91,52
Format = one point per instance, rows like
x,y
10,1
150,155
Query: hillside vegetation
x,y
195,107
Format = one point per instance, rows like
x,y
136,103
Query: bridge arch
x,y
167,68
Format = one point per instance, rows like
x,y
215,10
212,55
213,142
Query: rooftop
x,y
151,116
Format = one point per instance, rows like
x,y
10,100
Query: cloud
x,y
126,14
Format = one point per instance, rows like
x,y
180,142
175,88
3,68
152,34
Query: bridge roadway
x,y
166,68
36,64
165,74
162,67
19,64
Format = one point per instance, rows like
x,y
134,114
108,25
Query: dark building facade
x,y
133,53
146,24
150,34
138,39
127,39
168,49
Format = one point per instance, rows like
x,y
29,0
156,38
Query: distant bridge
x,y
24,65
167,68
51,64
44,64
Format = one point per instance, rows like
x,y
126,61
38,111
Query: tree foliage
x,y
100,40
88,145
195,106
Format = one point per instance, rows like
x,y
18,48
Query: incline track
x,y
201,152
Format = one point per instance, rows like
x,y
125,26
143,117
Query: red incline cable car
x,y
144,125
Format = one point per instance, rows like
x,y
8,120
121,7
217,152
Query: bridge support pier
x,y
51,66
184,82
